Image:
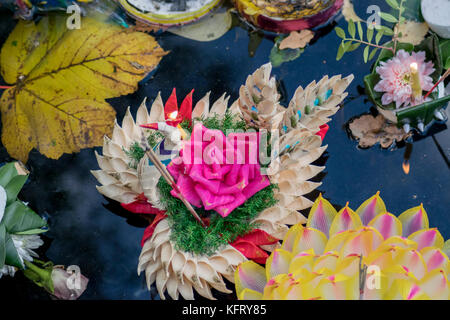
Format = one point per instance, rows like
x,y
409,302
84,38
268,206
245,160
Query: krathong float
x,y
28,9
168,13
364,254
214,205
286,16
407,79
19,238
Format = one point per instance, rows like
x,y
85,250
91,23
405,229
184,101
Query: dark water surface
x,y
89,231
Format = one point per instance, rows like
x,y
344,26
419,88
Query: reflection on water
x,y
88,230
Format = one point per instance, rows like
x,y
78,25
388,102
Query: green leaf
x,y
32,231
372,53
278,57
433,52
445,50
7,172
12,256
378,36
19,218
360,31
423,111
387,31
2,245
340,32
351,29
394,4
366,53
347,45
14,186
411,10
340,52
388,17
353,47
370,34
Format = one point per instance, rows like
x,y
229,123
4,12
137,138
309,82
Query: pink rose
x,y
218,172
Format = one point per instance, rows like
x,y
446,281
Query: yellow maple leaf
x,y
60,79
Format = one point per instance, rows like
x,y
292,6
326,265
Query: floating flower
x,y
64,287
19,237
217,175
169,264
63,284
25,244
401,256
396,82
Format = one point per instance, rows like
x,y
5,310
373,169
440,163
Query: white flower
x,y
8,270
25,244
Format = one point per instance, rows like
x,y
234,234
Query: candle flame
x,y
413,66
173,115
405,166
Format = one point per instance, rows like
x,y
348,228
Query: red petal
x,y
186,108
323,131
140,207
151,228
153,126
171,104
251,251
258,237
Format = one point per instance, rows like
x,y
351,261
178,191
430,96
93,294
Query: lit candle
x,y
415,81
173,117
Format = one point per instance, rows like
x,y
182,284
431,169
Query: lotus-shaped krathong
x,y
363,254
137,188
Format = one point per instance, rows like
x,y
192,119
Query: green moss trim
x,y
188,235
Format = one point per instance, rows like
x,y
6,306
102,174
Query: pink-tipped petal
x,y
387,224
321,215
363,242
310,239
346,219
413,220
436,285
370,208
435,259
278,263
428,238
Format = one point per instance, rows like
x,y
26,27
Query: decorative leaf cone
x,y
402,257
311,107
180,272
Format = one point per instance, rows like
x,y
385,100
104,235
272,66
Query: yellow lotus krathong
x,y
367,254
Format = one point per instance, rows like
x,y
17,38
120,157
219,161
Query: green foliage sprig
x,y
356,34
18,218
190,236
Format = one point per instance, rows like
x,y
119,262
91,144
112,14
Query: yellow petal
x,y
278,263
249,275
248,294
310,238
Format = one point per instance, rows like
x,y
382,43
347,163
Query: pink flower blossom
x,y
218,172
395,78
